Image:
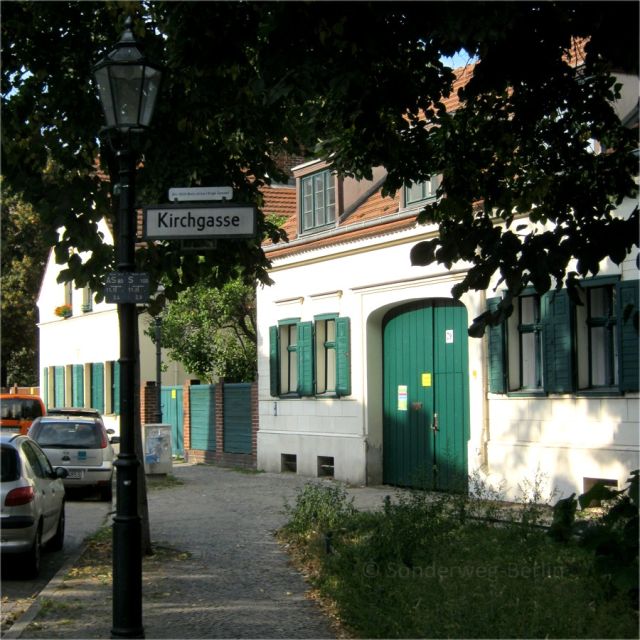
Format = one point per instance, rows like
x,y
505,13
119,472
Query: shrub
x,y
319,508
613,538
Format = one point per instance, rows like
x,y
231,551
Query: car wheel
x,y
106,493
56,543
33,556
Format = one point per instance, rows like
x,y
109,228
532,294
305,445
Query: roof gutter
x,y
337,231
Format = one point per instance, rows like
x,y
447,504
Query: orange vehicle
x,y
19,410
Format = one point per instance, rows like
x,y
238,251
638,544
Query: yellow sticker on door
x,y
174,395
426,379
402,397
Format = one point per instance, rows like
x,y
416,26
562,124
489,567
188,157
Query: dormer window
x,y
317,200
421,191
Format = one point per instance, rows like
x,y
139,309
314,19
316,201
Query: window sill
x,y
599,393
320,396
527,393
319,229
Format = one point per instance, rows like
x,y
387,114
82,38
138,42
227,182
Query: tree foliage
x,y
21,272
212,331
350,82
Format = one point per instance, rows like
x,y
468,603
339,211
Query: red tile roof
x,y
375,206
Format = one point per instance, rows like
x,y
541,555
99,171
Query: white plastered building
x,y
79,353
367,373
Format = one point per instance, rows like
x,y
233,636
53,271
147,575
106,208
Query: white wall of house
x,y
560,440
361,280
89,336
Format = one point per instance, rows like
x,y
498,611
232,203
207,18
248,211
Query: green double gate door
x,y
172,413
426,395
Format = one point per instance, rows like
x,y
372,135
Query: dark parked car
x,y
32,509
82,446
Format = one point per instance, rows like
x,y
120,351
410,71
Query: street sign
x,y
198,194
126,288
198,221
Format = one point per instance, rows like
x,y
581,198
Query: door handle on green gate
x,y
434,425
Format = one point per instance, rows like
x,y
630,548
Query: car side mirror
x,y
110,432
60,472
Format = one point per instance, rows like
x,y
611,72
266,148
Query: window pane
x,y
599,303
331,370
529,358
414,193
33,459
599,356
284,359
319,204
288,358
307,204
293,371
331,198
331,330
528,311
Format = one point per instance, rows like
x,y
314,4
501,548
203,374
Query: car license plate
x,y
75,475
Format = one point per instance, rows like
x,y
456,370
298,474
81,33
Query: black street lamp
x,y
158,336
128,86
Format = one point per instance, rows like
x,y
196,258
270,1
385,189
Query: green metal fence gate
x,y
172,413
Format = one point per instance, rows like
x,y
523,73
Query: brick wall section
x,y
186,416
254,421
219,456
148,403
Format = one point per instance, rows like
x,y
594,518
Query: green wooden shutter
x,y
497,369
274,364
305,358
97,386
58,386
343,357
45,390
116,387
78,385
557,346
627,301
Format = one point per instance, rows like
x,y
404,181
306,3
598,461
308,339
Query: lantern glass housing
x,y
128,85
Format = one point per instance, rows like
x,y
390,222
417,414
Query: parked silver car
x,y
32,509
81,445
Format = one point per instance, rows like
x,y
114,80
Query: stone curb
x,y
19,626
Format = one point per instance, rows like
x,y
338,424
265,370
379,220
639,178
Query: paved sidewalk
x,y
232,579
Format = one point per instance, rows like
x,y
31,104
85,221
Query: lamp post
x,y
128,85
158,335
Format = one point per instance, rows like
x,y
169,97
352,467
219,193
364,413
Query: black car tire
x,y
56,543
33,556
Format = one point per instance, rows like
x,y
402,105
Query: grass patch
x,y
250,471
49,606
168,481
434,566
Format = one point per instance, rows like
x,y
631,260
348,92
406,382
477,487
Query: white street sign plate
x,y
198,194
198,221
